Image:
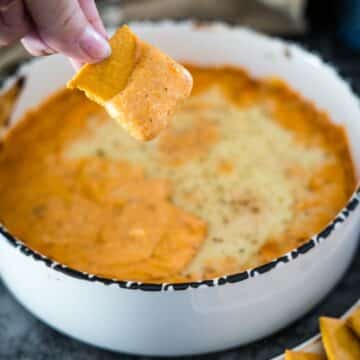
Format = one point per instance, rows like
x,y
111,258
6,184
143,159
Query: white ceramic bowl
x,y
204,316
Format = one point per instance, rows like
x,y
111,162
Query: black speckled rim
x,y
303,249
229,279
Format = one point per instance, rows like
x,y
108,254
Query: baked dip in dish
x,y
232,223
247,171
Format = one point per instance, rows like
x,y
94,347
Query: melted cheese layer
x,y
254,163
243,207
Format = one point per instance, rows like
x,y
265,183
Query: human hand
x,y
70,27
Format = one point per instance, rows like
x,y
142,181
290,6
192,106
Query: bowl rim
x,y
337,222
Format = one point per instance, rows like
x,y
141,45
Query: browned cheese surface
x,y
247,171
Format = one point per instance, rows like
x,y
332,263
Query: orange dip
x,y
185,206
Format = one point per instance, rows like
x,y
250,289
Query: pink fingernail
x,y
76,64
94,45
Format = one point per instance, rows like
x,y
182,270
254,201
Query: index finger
x,y
92,14
14,23
63,26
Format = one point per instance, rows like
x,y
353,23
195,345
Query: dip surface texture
x,y
247,171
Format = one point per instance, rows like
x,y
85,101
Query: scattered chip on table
x,y
339,341
300,355
354,321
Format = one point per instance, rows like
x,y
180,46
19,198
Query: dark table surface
x,y
22,337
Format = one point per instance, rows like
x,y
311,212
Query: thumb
x,y
63,26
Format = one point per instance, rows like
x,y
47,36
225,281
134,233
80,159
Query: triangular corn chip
x,y
104,80
354,321
299,355
339,341
138,85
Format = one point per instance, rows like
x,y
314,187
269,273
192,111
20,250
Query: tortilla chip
x,y
354,322
339,341
169,241
299,355
8,100
138,85
104,80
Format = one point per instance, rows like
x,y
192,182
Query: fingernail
x,y
94,45
35,46
76,64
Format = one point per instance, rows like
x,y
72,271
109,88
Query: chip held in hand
x,y
138,85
